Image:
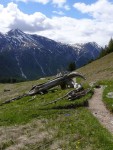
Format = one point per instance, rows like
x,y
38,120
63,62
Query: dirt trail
x,y
98,109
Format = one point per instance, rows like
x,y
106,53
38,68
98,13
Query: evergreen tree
x,y
110,46
72,66
108,49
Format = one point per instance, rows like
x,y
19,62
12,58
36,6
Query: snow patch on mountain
x,y
39,64
22,73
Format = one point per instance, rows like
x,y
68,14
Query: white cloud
x,y
79,31
64,29
1,7
12,17
58,12
101,9
59,3
38,1
55,3
66,7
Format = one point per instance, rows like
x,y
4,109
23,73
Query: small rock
x,y
110,95
67,114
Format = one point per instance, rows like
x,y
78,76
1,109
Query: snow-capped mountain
x,y
31,56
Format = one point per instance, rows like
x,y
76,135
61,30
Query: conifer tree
x,y
108,49
110,46
71,66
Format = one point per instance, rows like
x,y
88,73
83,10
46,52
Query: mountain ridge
x,y
33,56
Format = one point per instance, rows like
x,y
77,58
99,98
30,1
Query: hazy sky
x,y
69,21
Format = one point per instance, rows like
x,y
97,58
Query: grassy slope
x,y
101,69
24,110
30,125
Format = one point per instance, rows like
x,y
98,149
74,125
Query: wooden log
x,y
74,96
43,88
13,99
62,81
66,95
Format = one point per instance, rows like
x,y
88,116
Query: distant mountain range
x,y
32,56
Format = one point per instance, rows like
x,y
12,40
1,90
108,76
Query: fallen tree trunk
x,y
13,99
63,81
72,95
54,101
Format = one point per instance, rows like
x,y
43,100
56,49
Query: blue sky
x,y
31,7
68,21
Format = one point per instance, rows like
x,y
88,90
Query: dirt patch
x,y
23,136
99,110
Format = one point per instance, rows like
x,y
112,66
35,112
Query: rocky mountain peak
x,y
15,32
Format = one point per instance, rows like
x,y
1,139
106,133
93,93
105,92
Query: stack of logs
x,y
72,95
77,94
